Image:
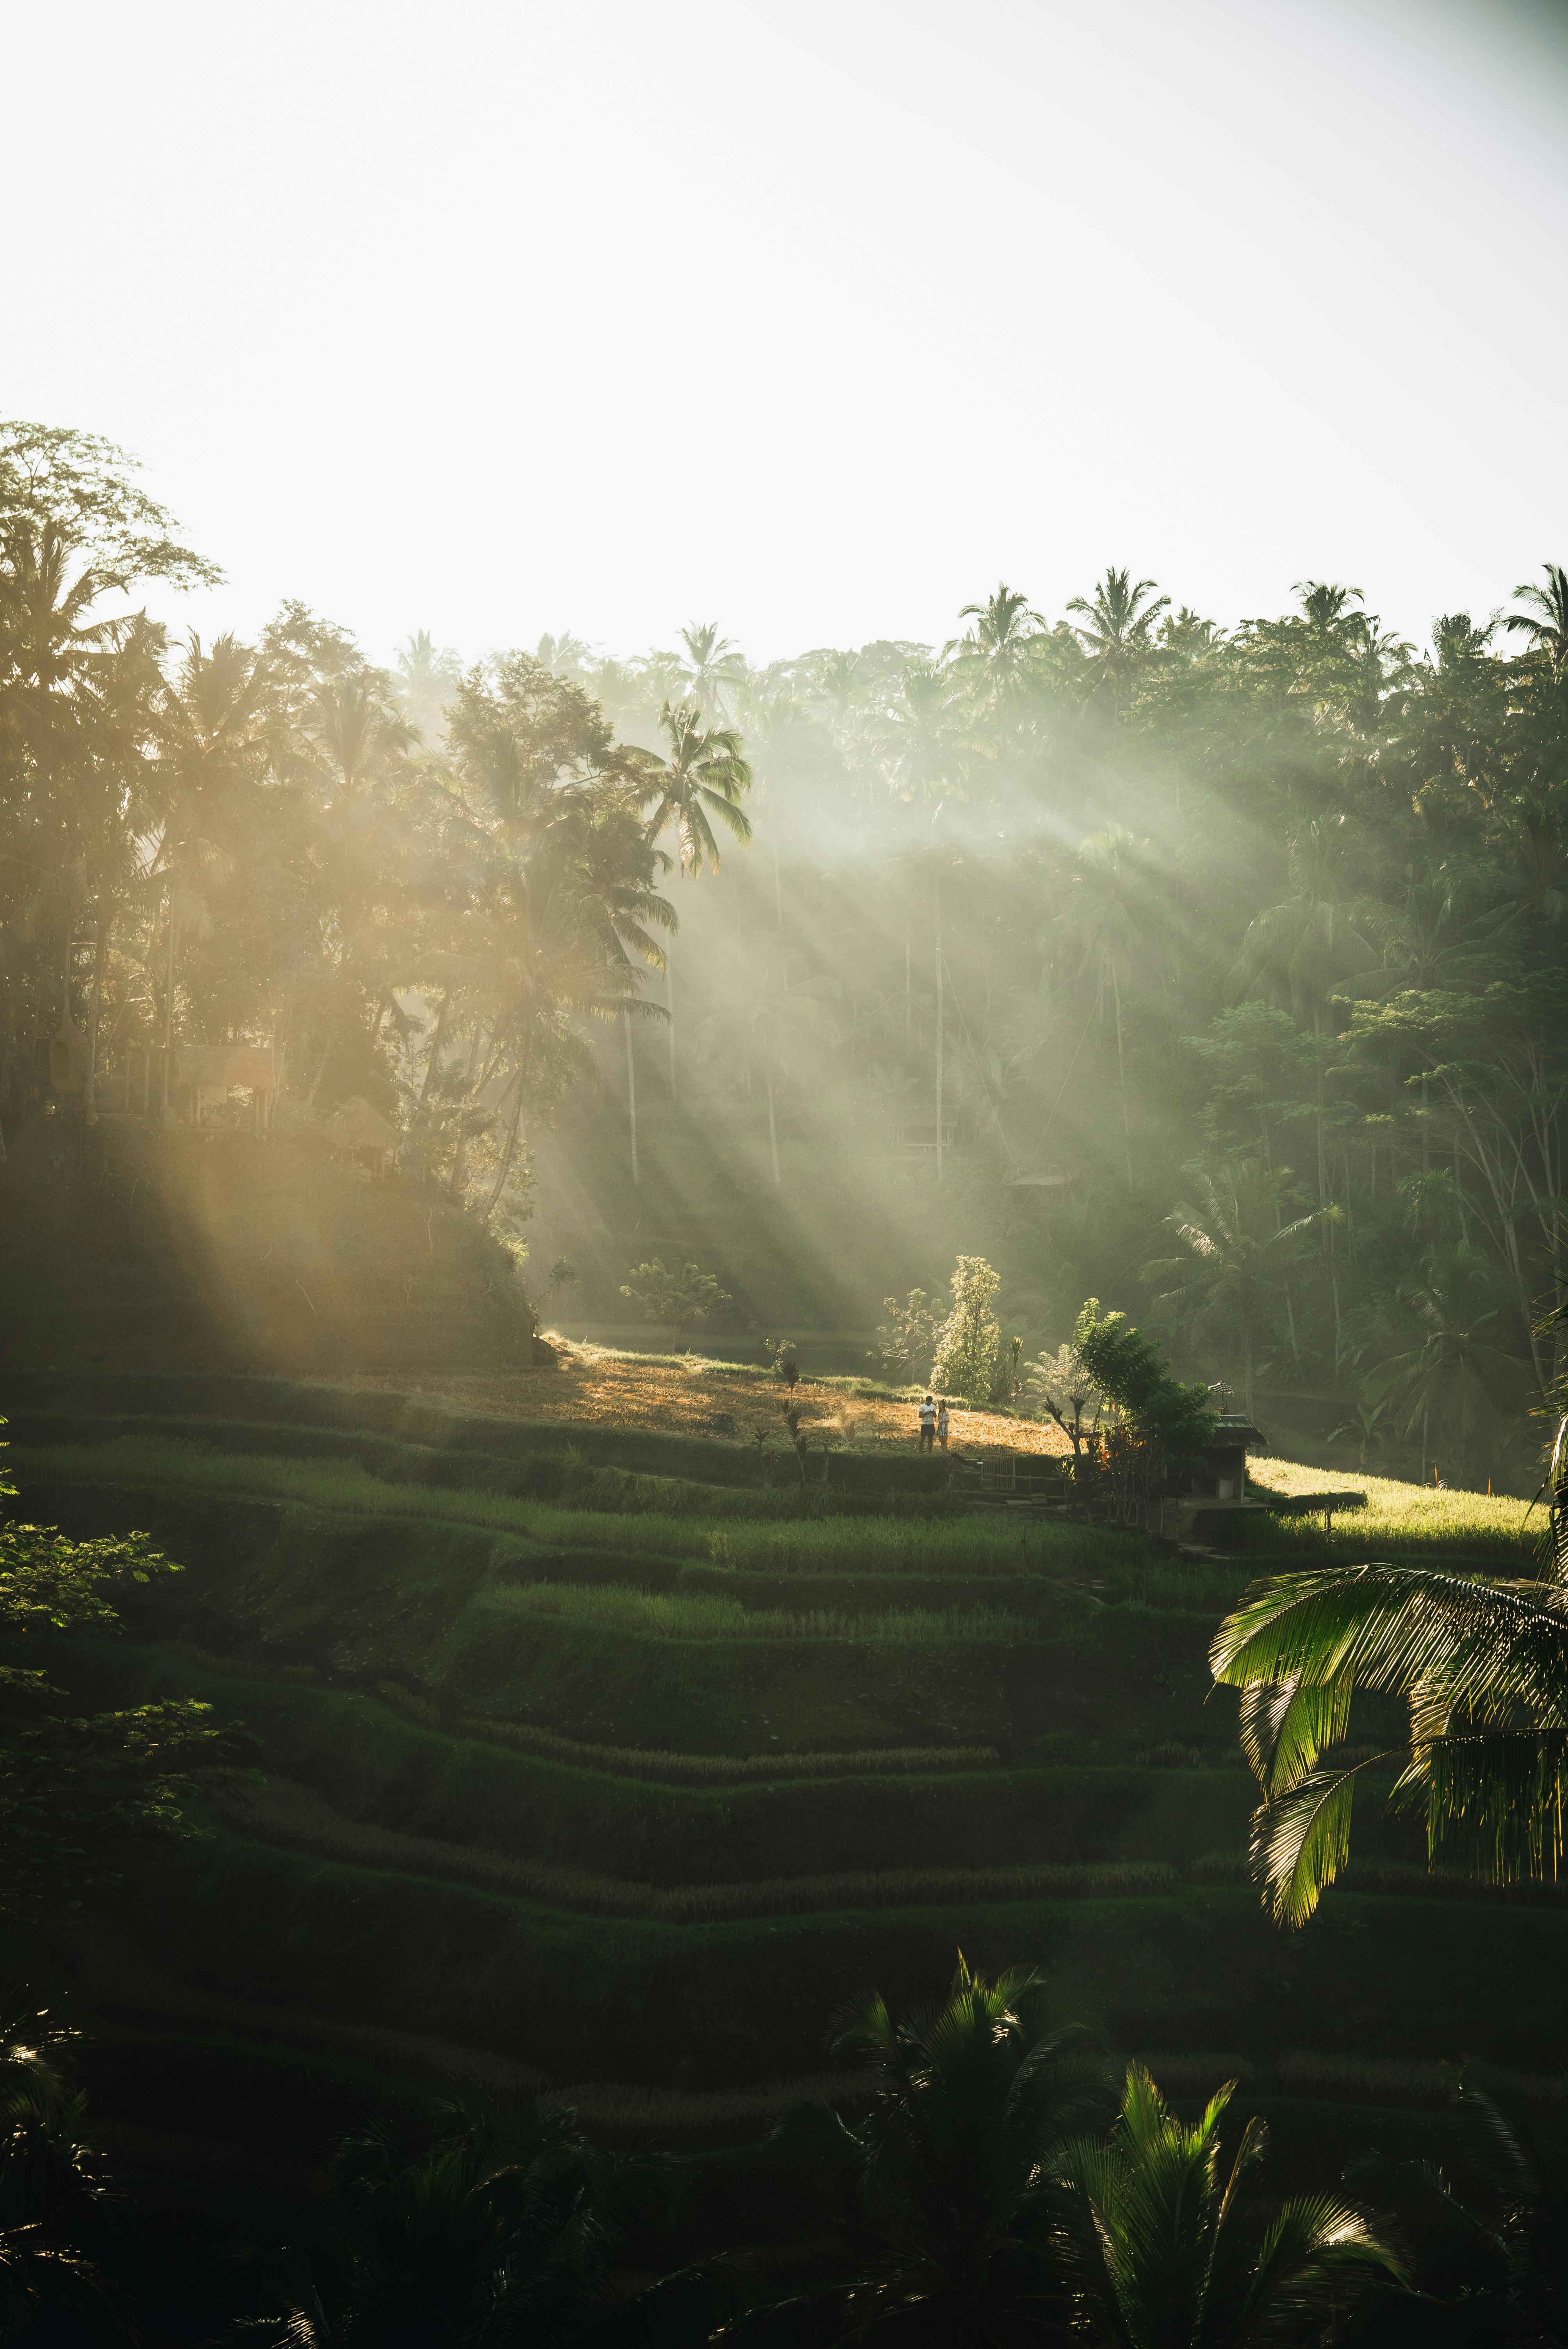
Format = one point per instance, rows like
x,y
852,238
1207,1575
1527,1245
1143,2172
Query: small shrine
x,y
1221,1474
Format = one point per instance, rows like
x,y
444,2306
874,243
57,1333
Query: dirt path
x,y
703,1398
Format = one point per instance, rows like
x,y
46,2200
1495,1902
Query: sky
x,y
815,320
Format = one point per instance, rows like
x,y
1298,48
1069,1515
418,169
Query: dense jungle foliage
x,y
1221,969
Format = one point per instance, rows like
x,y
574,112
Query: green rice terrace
x,y
581,1758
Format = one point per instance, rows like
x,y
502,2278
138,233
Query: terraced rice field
x,y
585,1756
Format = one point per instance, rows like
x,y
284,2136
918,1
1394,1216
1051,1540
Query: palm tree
x,y
560,912
704,776
837,677
1168,2252
713,670
923,734
1120,617
1303,945
1239,1253
1546,621
1327,607
1457,1382
952,2168
993,660
428,677
51,2188
505,2228
1482,1664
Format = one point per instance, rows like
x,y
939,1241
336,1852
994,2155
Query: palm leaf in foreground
x,y
1482,1665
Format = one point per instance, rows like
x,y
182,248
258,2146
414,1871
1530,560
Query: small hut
x,y
362,1136
206,1074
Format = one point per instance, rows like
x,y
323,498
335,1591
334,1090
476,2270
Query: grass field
x,y
587,1759
1405,1516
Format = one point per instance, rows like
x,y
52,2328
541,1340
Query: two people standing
x,y
933,1424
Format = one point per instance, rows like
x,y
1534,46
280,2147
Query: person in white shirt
x,y
941,1426
927,1425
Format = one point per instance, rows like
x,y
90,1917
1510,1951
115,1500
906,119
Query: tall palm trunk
x,y
100,956
670,998
169,1011
631,1091
941,1026
772,1122
1121,1074
455,1184
513,1135
437,1041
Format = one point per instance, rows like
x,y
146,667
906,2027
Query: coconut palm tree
x,y
1456,1383
993,660
1119,621
703,779
428,677
504,2230
925,735
1169,2252
1545,622
1300,947
714,671
1482,1664
1327,606
952,2168
1239,1254
51,2190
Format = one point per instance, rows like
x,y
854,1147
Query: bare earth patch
x,y
695,1397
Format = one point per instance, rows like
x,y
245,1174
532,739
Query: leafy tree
x,y
1129,1371
682,1299
78,1791
964,1362
908,1337
1168,2252
79,486
1064,1389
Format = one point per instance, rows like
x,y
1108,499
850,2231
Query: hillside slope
x,y
591,1759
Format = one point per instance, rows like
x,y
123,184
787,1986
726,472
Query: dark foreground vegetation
x,y
488,1844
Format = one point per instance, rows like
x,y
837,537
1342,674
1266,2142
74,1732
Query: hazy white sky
x,y
813,319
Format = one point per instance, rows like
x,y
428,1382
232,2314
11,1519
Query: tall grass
x,y
715,1769
955,1545
610,1607
861,1545
293,1816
